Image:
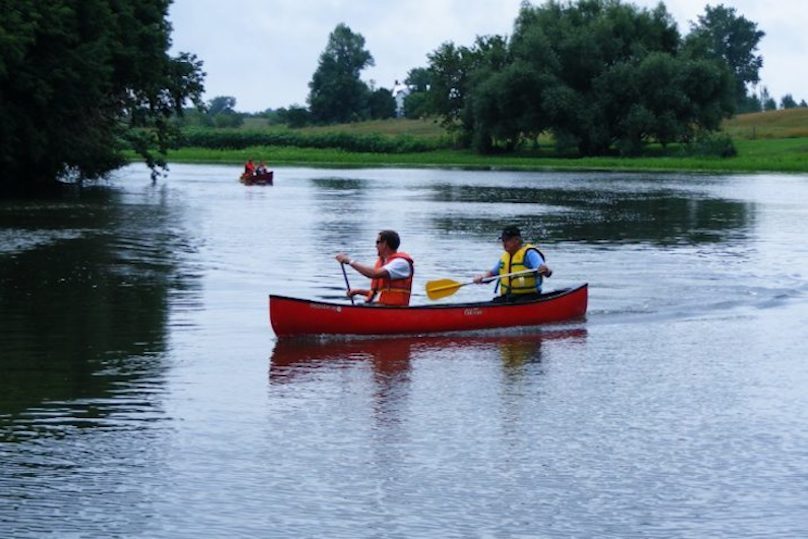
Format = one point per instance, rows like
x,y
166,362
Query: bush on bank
x,y
236,139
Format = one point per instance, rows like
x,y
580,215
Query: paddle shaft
x,y
347,284
486,280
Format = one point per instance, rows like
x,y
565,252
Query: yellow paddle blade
x,y
441,288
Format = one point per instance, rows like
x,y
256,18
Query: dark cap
x,y
510,232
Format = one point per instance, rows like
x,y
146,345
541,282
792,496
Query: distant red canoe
x,y
257,179
292,317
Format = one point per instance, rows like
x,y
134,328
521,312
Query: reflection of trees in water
x,y
661,216
84,305
345,186
334,198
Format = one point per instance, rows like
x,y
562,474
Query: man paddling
x,y
391,275
518,256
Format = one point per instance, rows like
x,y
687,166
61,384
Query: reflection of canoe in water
x,y
257,179
390,356
291,317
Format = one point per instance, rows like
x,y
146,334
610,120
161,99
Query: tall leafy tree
x,y
336,93
597,74
418,79
450,67
221,104
454,72
723,33
222,112
76,77
768,102
381,104
416,102
788,102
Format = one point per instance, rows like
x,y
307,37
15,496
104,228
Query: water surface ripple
x,y
143,393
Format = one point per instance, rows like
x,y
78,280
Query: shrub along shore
x,y
761,155
765,142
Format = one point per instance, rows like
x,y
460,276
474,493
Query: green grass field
x,y
774,141
791,123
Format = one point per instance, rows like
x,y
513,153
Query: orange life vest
x,y
388,291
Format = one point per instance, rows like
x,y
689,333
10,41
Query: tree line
x,y
83,82
598,75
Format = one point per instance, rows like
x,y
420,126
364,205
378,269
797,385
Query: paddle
x,y
347,284
442,288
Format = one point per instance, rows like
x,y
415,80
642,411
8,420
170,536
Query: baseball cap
x,y
510,232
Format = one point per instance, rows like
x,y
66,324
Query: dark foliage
x,y
75,77
600,75
237,139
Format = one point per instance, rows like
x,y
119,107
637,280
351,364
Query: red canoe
x,y
292,317
264,178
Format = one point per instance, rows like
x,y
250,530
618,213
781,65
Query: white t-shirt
x,y
398,268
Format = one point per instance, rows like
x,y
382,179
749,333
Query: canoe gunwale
x,y
549,296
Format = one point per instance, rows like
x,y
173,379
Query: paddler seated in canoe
x,y
391,275
518,257
262,169
249,168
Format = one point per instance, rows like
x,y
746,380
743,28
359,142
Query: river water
x,y
143,393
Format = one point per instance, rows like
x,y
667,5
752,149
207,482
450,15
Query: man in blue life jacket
x,y
519,257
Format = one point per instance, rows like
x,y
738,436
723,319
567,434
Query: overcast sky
x,y
264,52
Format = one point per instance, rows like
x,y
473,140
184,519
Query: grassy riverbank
x,y
766,142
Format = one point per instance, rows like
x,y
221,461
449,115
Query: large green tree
x,y
222,112
76,77
381,104
598,74
724,34
454,74
337,94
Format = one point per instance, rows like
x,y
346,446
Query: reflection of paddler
x,y
389,357
518,353
392,356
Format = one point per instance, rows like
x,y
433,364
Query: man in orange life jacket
x,y
518,257
391,275
249,168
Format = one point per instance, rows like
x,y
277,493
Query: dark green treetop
x,y
337,94
76,77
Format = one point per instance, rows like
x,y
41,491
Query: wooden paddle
x,y
442,288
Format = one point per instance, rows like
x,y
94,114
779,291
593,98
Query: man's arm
x,y
368,271
533,260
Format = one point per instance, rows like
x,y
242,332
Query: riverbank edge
x,y
754,156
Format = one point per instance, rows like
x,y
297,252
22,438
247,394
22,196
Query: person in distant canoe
x,y
391,275
262,168
249,168
518,256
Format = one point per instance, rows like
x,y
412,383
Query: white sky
x,y
264,52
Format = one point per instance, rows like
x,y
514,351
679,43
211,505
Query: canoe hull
x,y
292,317
257,179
